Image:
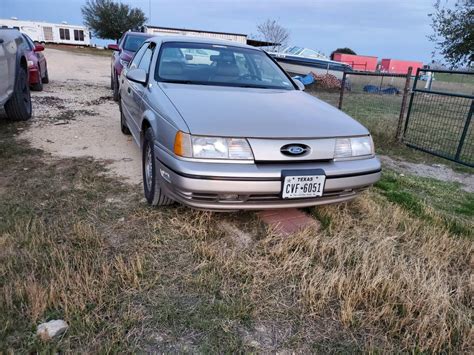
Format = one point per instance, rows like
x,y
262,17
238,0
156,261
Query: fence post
x,y
404,104
341,95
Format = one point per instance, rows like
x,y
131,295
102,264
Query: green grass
x,y
455,78
434,200
81,50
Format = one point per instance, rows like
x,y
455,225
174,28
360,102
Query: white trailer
x,y
236,37
45,32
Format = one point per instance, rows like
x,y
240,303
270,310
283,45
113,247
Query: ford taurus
x,y
221,126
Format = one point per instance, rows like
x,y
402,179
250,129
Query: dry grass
x,y
175,280
392,282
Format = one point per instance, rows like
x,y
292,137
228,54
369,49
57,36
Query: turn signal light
x,y
182,144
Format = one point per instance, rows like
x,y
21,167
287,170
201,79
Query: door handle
x,y
129,90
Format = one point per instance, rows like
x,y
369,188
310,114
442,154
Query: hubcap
x,y
148,167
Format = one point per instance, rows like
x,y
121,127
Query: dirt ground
x,y
75,114
434,171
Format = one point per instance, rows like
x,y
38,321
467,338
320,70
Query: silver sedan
x,y
222,127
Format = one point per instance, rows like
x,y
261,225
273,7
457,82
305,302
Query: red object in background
x,y
357,62
396,66
37,67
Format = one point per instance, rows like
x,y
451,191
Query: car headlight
x,y
189,146
124,63
353,147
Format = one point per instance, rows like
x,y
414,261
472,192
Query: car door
x,y
127,97
138,89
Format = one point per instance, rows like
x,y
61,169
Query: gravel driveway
x,y
75,115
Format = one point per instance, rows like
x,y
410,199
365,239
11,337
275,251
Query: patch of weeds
x,y
431,199
321,217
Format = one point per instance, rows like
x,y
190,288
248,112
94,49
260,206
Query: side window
x,y
138,56
146,59
29,43
78,35
64,33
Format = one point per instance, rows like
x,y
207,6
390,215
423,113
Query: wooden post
x,y
406,91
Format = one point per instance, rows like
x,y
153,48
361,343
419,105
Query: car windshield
x,y
215,64
132,43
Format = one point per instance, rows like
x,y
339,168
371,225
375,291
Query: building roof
x,y
198,31
258,43
197,39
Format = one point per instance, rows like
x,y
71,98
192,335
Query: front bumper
x,y
225,186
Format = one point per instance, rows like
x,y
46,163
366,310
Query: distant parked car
x,y
37,66
14,88
231,130
123,53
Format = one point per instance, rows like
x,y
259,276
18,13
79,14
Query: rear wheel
x,y
153,193
46,77
18,108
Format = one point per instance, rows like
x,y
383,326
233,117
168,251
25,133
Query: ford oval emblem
x,y
294,149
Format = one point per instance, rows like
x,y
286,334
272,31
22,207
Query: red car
x,y
123,54
37,66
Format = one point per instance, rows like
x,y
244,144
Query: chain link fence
x,y
440,114
377,100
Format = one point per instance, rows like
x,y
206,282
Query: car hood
x,y
258,113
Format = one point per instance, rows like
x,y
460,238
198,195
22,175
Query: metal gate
x,y
440,114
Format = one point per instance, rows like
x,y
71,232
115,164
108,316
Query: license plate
x,y
303,184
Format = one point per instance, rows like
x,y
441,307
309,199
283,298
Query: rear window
x,y
133,42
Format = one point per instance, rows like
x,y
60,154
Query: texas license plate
x,y
303,184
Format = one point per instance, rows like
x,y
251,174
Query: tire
x,y
123,125
18,107
153,193
111,81
46,77
116,89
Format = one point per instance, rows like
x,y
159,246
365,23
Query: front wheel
x,y
153,193
123,123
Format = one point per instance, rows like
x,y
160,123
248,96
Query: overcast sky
x,y
383,28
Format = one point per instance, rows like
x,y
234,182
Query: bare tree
x,y
272,31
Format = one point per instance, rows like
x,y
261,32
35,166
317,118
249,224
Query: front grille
x,y
234,198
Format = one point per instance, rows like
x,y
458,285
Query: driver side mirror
x,y
113,47
137,76
299,84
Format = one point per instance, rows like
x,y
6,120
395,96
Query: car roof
x,y
196,39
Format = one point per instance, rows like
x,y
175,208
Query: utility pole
x,y
149,12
